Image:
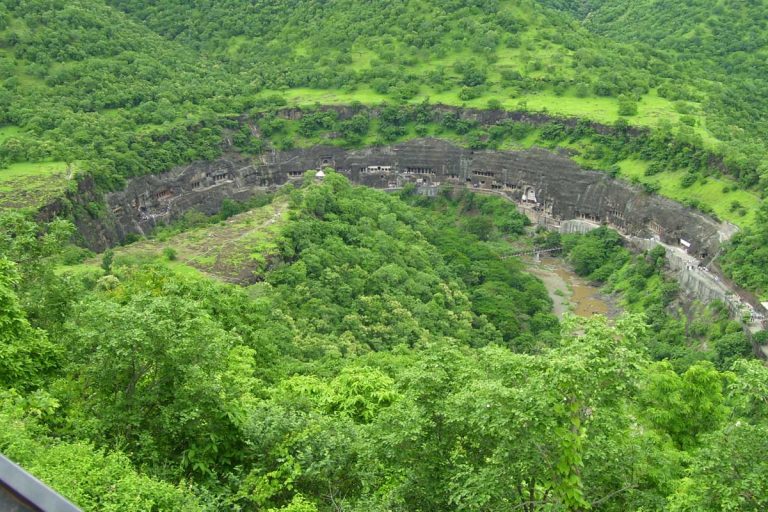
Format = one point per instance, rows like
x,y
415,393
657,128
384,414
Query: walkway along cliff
x,y
550,188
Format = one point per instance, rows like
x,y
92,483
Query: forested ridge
x,y
383,352
387,359
722,49
84,81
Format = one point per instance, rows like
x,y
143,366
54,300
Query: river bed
x,y
569,292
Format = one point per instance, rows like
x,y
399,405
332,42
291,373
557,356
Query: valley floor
x,y
569,292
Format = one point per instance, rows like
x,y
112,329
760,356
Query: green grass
x,y
709,192
183,269
236,250
651,108
32,184
81,270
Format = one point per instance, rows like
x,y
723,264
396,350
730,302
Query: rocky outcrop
x,y
484,117
547,184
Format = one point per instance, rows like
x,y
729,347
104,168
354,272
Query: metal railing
x,y
22,492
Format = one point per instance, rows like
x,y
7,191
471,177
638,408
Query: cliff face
x,y
549,185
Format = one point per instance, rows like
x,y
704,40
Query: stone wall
x,y
577,226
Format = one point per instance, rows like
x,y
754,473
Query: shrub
x,y
469,93
494,104
72,255
688,180
651,188
627,106
653,169
582,90
106,260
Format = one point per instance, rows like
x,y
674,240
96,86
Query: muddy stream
x,y
569,292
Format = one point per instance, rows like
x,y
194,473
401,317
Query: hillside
x,y
134,87
237,249
677,60
386,354
82,82
221,59
258,335
718,49
517,53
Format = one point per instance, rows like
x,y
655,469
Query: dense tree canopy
x,y
390,360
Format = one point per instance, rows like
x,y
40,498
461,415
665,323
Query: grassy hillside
x,y
411,48
34,184
99,85
81,81
236,250
129,87
452,52
718,49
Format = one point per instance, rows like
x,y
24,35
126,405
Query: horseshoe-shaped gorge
x,y
551,189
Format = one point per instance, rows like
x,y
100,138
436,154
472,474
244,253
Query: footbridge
x,y
536,252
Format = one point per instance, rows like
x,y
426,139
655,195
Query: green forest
x,y
328,347
388,360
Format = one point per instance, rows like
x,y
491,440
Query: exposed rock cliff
x,y
548,184
550,188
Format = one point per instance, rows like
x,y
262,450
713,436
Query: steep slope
x,y
390,347
84,82
129,87
457,52
452,50
719,49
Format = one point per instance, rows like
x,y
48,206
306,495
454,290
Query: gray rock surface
x,y
548,184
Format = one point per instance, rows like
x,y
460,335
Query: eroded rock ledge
x,y
549,185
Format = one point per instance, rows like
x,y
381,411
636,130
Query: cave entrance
x,y
529,195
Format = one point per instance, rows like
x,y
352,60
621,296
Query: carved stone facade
x,y
548,184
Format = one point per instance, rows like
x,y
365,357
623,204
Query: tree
x,y
94,479
684,406
26,354
497,429
471,74
106,260
156,374
27,243
728,473
360,393
592,251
